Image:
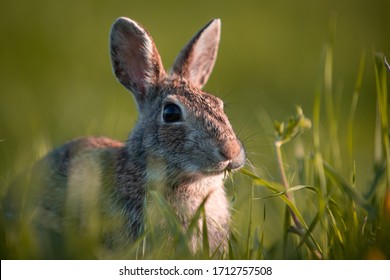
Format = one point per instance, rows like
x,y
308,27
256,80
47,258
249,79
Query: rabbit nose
x,y
238,162
234,153
230,149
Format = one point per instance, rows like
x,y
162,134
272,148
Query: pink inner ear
x,y
135,59
196,61
137,65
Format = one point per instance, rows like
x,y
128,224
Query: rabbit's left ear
x,y
196,61
135,59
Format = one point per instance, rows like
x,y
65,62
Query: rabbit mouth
x,y
225,166
229,165
233,166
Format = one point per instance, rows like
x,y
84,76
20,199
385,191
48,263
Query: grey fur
x,y
185,160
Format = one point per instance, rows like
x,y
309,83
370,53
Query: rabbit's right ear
x,y
196,60
135,59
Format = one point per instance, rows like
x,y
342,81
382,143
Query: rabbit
x,y
182,145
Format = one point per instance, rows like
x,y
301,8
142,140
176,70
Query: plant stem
x,y
285,183
299,228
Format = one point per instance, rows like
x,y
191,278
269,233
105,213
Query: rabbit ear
x,y
135,59
196,61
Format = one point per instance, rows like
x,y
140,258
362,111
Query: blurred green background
x,y
56,81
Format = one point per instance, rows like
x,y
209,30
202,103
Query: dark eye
x,y
172,113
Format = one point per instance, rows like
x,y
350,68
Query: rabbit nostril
x,y
223,155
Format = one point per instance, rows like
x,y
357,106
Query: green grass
x,y
316,210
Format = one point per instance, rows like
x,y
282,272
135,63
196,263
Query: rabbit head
x,y
179,125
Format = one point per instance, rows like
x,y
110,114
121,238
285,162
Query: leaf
x,y
274,187
346,187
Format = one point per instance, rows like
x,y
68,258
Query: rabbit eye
x,y
172,113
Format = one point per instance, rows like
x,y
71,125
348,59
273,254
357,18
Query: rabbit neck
x,y
185,196
186,200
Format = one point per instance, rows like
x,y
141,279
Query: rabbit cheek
x,y
171,137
